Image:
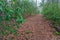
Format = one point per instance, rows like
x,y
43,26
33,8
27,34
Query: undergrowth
x,y
13,12
52,12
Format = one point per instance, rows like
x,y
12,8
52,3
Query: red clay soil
x,y
36,28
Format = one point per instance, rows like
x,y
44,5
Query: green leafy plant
x,y
9,12
52,12
14,10
58,33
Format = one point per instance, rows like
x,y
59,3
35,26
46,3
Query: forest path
x,y
37,28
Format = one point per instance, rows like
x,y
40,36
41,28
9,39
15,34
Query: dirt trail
x,y
36,28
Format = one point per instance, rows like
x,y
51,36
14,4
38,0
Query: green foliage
x,y
29,7
58,33
52,12
15,9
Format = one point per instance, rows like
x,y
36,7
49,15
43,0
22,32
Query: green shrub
x,y
15,9
29,7
51,12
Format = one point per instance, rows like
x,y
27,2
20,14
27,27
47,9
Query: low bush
x,y
14,11
52,12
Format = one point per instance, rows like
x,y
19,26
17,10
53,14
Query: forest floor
x,y
36,28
